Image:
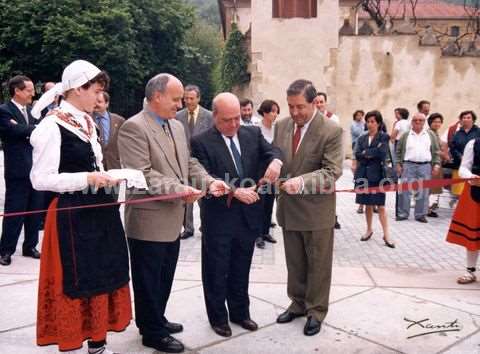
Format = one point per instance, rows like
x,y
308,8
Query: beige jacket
x,y
143,145
319,161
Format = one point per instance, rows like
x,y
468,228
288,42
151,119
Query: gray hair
x,y
302,87
193,88
157,83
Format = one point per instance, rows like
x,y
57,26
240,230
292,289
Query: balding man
x,y
230,225
154,142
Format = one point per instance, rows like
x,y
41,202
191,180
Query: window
x,y
454,31
294,8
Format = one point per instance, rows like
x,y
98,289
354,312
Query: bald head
x,y
226,113
164,94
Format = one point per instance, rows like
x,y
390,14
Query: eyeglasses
x,y
418,120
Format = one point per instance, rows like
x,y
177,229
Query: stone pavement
x,y
376,294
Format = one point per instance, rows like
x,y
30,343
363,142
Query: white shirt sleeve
x,y
465,170
46,141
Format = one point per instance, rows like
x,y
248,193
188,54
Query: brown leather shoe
x,y
247,324
223,330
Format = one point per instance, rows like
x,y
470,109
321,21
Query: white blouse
x,y
46,141
465,170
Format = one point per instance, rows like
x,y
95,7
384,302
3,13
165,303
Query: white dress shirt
x,y
465,170
418,147
22,109
46,140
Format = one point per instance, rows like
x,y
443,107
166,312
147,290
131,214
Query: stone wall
x,y
385,72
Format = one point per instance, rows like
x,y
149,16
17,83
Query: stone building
x,y
290,39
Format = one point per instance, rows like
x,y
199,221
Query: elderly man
x,y
16,125
312,145
418,157
195,120
154,142
236,154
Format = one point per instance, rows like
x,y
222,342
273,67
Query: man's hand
x,y
194,195
218,188
399,170
475,182
273,171
436,171
293,185
247,195
101,179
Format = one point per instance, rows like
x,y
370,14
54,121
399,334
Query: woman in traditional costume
x,y
465,226
84,275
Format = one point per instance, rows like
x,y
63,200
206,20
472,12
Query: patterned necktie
x,y
236,157
191,122
296,139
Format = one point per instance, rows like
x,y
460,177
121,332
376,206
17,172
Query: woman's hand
x,y
101,179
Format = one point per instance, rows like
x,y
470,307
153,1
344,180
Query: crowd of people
x,y
236,165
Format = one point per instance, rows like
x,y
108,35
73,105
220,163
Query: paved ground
x,y
376,293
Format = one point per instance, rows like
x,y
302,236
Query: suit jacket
x,y
319,161
371,158
143,145
203,122
111,158
212,152
16,141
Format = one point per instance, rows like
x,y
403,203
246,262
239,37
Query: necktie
x,y
191,122
25,115
103,123
296,139
236,157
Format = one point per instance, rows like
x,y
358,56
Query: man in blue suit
x,y
16,125
231,224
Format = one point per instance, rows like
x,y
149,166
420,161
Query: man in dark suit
x,y
195,120
108,125
236,155
16,125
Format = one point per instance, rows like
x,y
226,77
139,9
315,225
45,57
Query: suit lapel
x,y
244,150
200,122
181,157
163,143
16,113
307,138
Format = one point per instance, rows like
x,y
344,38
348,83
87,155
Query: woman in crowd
x,y
435,121
467,132
369,170
356,130
401,125
83,285
465,226
268,111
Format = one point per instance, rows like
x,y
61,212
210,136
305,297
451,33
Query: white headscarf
x,y
75,75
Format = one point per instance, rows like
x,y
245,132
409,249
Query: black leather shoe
x,y
5,260
422,219
401,218
32,252
269,238
173,327
288,316
186,234
337,224
166,344
432,214
312,326
260,243
247,324
223,330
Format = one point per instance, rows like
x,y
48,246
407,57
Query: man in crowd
x,y
321,104
108,125
195,120
16,125
306,204
154,142
424,107
237,154
418,157
246,112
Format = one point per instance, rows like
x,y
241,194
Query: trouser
x,y
153,267
268,201
226,261
309,257
414,172
20,197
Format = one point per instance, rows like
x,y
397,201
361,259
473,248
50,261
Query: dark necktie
x,y
191,122
236,157
296,139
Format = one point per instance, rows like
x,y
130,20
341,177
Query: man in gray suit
x,y
195,120
153,142
312,148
